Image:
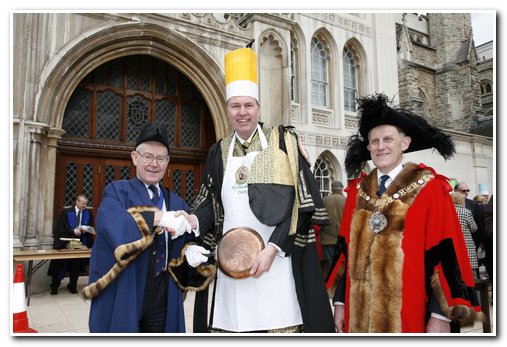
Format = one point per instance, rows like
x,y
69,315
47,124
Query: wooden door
x,y
90,175
184,180
104,117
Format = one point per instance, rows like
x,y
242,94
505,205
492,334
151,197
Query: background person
x,y
475,208
468,227
334,204
74,222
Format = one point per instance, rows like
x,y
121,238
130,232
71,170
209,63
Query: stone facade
x,y
485,68
426,62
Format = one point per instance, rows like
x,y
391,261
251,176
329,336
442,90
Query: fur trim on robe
x,y
197,279
377,268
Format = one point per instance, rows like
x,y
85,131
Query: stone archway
x,y
129,39
69,66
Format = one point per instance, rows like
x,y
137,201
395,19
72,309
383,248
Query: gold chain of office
x,y
379,204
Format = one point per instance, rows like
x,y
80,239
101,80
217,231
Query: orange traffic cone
x,y
20,321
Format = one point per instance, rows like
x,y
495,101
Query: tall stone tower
x,y
457,88
437,74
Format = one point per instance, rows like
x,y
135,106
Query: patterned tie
x,y
78,218
245,145
382,187
160,259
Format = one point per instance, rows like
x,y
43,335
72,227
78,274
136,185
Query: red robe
x,y
421,252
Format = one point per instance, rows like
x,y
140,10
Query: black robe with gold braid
x,y
272,195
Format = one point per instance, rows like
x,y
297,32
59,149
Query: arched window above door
x,y
112,103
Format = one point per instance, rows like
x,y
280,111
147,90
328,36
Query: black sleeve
x,y
339,294
209,192
62,230
92,220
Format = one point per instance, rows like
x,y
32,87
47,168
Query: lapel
x,y
140,193
167,197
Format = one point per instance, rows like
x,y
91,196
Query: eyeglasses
x,y
464,190
148,158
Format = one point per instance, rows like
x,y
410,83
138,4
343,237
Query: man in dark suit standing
x,y
74,222
477,212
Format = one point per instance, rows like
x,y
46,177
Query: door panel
x,y
90,175
184,180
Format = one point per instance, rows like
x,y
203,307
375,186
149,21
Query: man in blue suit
x,y
144,298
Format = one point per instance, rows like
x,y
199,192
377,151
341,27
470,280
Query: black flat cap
x,y
153,132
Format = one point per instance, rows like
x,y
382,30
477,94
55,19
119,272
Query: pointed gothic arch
x,y
327,169
273,65
75,61
65,70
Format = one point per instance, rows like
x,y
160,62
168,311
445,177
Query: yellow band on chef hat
x,y
241,73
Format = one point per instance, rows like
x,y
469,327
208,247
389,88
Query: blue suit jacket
x,y
118,307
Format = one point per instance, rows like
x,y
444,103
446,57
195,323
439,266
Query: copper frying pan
x,y
237,250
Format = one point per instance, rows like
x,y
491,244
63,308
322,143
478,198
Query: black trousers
x,y
154,312
74,267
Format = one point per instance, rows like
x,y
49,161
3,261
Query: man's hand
x,y
77,231
339,317
175,224
191,218
195,255
263,261
436,325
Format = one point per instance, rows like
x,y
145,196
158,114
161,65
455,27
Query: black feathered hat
x,y
153,132
375,110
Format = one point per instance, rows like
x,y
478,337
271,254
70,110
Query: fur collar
x,y
376,260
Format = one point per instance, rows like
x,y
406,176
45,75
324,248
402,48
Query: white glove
x,y
179,224
195,255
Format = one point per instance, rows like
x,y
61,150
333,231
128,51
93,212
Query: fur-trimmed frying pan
x,y
237,250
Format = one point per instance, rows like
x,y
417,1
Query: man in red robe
x,y
401,248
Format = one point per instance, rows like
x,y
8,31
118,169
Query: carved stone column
x,y
46,239
19,150
34,192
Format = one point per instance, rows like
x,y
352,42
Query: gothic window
x,y
108,113
486,87
71,183
293,73
137,115
323,176
349,80
113,102
79,179
319,63
77,121
88,181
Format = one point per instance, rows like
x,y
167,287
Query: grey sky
x,y
484,27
